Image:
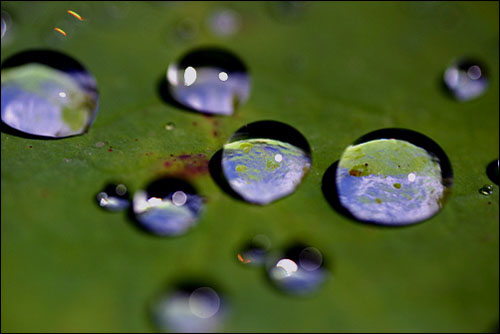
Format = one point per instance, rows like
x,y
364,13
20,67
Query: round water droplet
x,y
168,207
210,81
486,190
466,79
265,161
169,126
300,271
114,197
255,252
393,177
493,170
186,29
49,94
190,310
224,22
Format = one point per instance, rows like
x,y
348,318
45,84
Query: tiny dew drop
x,y
189,309
167,207
393,177
301,270
169,126
265,161
466,79
47,94
210,81
486,190
255,252
114,197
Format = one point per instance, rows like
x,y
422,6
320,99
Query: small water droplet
x,y
393,177
255,252
493,170
224,22
210,81
265,161
168,207
114,197
49,94
99,144
466,79
169,126
5,23
486,190
190,310
301,270
186,30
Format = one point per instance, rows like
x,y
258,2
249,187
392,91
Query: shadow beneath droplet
x,y
215,169
492,171
4,128
330,192
166,96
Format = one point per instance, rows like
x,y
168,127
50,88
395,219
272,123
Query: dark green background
x,y
335,71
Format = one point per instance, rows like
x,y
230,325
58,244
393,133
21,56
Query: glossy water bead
x,y
189,309
466,79
209,80
265,161
47,93
301,270
167,207
393,177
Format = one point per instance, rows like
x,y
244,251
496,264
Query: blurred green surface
x,y
335,71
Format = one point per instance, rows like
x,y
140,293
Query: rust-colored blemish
x,y
195,123
354,172
110,150
187,165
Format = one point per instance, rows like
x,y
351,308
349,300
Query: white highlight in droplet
x,y
179,198
189,76
411,177
62,94
287,265
223,76
278,158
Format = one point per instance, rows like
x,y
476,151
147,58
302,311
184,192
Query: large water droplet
x,y
47,93
114,197
255,252
265,161
5,23
210,81
466,79
486,190
393,177
300,271
168,207
493,170
190,310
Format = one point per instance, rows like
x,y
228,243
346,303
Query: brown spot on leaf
x,y
354,172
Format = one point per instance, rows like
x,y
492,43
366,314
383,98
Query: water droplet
x,y
190,310
493,170
300,271
114,197
210,81
255,252
486,190
99,144
168,207
393,177
169,126
265,161
466,79
4,23
224,22
49,94
186,29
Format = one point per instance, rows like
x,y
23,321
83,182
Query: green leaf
x,y
335,72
